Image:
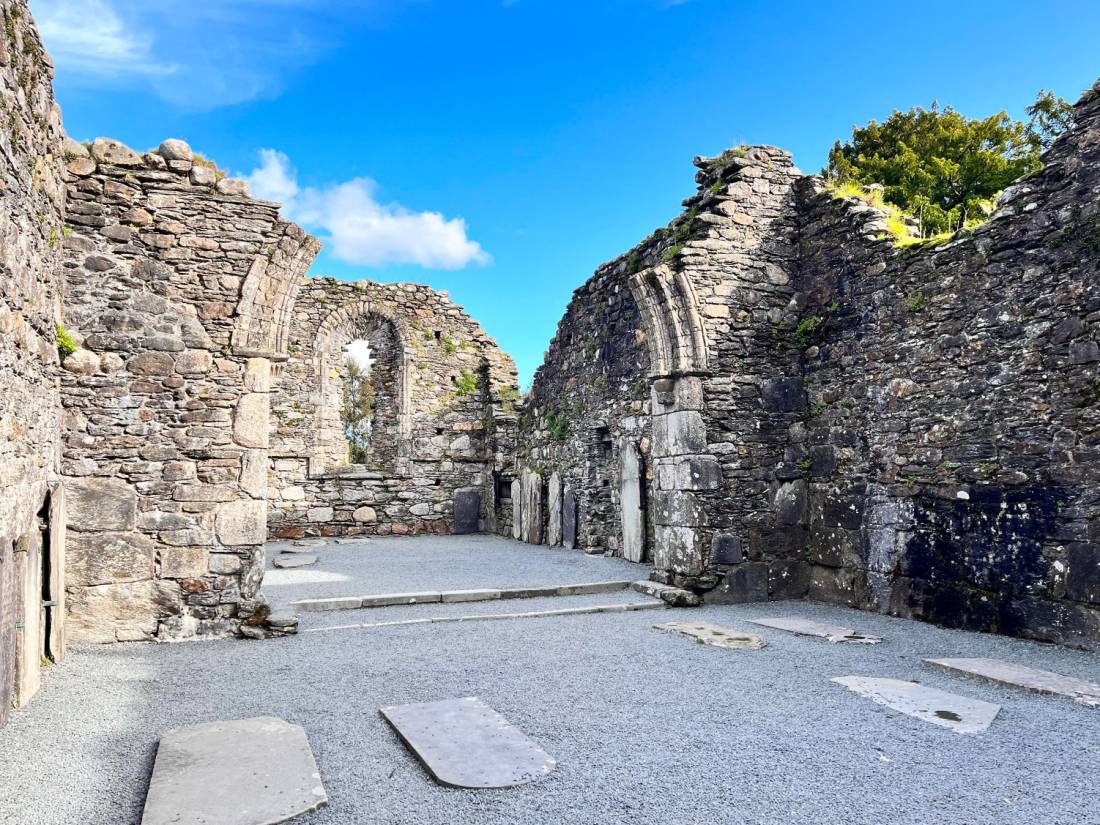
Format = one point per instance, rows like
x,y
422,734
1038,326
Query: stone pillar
x,y
684,472
517,508
630,501
569,519
532,507
553,504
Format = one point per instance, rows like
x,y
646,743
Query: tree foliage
x,y
1048,117
357,410
945,168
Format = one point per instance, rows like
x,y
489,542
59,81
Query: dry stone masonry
x,y
818,413
766,399
32,198
444,413
176,283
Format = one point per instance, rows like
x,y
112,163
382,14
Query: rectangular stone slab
x,y
464,743
948,710
569,520
807,627
467,511
245,772
1018,676
711,634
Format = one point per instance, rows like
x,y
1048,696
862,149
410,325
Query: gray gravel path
x,y
399,564
646,726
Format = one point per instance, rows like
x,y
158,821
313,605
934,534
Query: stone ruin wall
x,y
32,198
950,444
929,450
434,435
681,324
176,284
594,380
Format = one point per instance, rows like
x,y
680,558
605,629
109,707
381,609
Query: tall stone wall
x,y
31,204
658,370
950,451
588,401
176,286
906,429
443,415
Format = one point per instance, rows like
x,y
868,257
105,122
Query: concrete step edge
x,y
454,596
537,614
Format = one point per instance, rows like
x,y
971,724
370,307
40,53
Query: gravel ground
x,y
400,564
646,726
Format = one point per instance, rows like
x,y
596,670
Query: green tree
x,y
357,410
936,164
1048,117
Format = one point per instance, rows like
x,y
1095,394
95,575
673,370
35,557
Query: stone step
x,y
999,672
447,596
629,607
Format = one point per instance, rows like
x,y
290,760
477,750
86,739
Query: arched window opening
x,y
357,410
362,371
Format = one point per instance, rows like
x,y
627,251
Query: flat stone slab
x,y
245,772
291,560
1019,676
948,710
807,627
714,635
464,743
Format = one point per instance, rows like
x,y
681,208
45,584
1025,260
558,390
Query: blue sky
x,y
503,150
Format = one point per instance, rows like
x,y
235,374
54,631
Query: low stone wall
x,y
443,415
176,283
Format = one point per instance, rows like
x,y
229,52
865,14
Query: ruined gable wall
x,y
442,439
907,430
673,326
951,453
176,284
31,203
741,266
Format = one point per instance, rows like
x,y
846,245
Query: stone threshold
x,y
454,596
486,617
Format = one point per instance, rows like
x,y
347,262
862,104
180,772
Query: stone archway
x,y
391,430
683,467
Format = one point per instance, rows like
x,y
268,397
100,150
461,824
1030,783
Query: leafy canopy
x,y
945,168
357,410
1048,117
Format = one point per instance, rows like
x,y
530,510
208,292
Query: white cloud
x,y
198,54
357,228
274,179
90,35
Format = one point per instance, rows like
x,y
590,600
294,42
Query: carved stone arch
x,y
684,469
362,319
268,294
673,323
